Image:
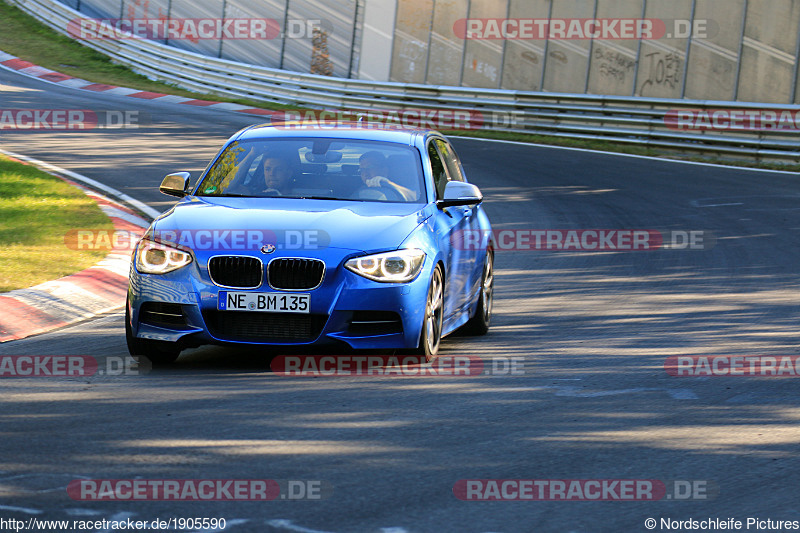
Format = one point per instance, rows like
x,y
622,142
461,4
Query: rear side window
x,y
450,160
438,169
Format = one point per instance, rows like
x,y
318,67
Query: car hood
x,y
348,225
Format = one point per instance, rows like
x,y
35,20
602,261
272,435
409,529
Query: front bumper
x,y
181,307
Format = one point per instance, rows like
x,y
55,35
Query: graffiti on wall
x,y
320,55
613,64
662,69
413,52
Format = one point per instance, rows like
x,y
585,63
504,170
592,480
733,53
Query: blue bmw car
x,y
371,239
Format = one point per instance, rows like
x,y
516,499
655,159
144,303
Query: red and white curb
x,y
27,68
58,303
103,287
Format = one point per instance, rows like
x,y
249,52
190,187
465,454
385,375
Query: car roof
x,y
336,130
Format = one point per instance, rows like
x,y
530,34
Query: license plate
x,y
268,302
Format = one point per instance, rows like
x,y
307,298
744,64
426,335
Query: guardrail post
x,y
222,37
283,34
688,50
591,50
464,50
638,54
739,58
353,40
793,96
169,17
505,48
546,45
428,49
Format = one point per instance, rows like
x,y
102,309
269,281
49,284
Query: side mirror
x,y
460,193
176,184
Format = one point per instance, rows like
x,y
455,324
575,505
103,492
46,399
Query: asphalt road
x,y
593,329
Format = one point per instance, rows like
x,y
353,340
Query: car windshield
x,y
325,169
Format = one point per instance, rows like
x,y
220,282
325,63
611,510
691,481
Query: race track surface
x,y
593,330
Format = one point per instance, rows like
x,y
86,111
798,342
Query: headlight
x,y
157,258
399,266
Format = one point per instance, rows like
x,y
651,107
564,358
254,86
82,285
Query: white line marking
x,y
124,215
149,211
19,509
648,157
16,476
82,512
36,71
682,394
287,524
575,392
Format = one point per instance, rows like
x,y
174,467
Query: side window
x,y
451,160
439,172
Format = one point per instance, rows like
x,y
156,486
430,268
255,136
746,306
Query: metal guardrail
x,y
636,121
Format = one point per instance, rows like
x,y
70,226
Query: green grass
x,y
36,212
25,37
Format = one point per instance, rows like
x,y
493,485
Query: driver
x,y
373,168
277,172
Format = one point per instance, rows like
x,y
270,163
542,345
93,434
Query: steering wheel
x,y
385,193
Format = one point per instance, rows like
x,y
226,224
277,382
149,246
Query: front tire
x,y
431,336
159,353
479,324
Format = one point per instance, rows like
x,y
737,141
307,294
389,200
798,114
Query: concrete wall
x,y
769,51
446,51
712,64
412,34
613,63
483,60
524,60
379,23
334,48
744,50
661,63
